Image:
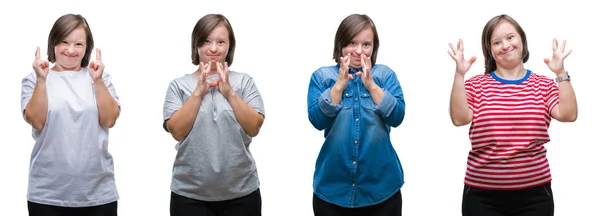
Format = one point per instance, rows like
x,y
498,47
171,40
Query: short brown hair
x,y
203,28
62,28
350,27
486,40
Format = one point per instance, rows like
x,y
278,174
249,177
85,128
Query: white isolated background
x,y
146,44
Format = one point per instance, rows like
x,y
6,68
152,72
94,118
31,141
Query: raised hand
x,y
40,66
97,67
367,79
558,57
343,76
224,86
203,84
462,65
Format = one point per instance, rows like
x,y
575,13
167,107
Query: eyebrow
x,y
509,33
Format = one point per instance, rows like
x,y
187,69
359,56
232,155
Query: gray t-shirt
x,y
70,165
213,162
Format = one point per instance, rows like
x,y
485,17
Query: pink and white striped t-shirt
x,y
509,130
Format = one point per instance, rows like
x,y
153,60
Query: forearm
x,y
181,122
37,107
336,94
567,101
108,109
250,120
376,94
460,112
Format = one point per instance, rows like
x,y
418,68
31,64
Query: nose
x,y
213,47
70,49
359,49
505,44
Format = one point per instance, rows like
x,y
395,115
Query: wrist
x,y
337,88
562,72
230,95
372,88
99,82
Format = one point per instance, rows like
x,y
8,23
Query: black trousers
x,y
536,201
390,207
36,209
249,205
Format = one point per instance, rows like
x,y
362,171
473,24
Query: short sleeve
x,y
551,96
173,100
107,78
27,87
470,90
251,95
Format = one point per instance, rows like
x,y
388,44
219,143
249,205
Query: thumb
x,y
93,65
546,60
213,84
472,59
359,73
350,77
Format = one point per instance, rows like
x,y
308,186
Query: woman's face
x,y
70,51
360,44
216,46
506,47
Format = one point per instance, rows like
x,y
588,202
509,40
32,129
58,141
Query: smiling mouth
x,y
509,51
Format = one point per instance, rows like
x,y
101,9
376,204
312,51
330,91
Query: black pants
x,y
536,201
390,207
249,205
36,209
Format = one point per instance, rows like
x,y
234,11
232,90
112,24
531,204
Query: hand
x,y
224,86
558,57
96,67
203,84
367,79
40,66
343,76
462,65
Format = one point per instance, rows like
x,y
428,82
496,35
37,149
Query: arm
x,y
246,110
460,112
107,101
564,95
321,108
34,101
179,116
389,101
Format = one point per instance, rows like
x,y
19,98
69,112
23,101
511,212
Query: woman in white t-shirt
x,y
70,106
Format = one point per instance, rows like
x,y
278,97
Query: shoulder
x,y
478,79
326,71
31,77
184,80
542,79
382,70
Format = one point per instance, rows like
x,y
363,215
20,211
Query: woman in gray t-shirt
x,y
70,105
213,113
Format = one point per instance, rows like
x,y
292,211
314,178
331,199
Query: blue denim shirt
x,y
357,165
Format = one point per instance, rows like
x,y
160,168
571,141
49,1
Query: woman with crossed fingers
x,y
70,105
356,101
509,108
213,113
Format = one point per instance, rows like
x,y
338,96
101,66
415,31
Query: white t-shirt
x,y
70,165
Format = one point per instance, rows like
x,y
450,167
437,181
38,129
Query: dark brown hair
x,y
486,40
203,28
350,27
62,28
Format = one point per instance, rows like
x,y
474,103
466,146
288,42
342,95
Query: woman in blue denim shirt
x,y
356,101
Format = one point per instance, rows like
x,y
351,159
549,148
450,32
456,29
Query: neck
x,y
59,68
199,72
513,73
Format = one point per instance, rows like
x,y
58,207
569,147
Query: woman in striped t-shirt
x,y
509,108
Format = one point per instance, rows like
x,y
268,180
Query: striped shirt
x,y
509,130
